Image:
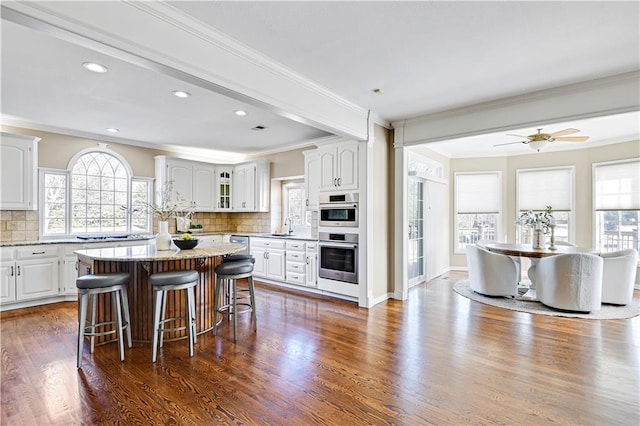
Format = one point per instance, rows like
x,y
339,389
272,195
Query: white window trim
x,y
499,220
68,173
594,212
572,211
41,191
285,205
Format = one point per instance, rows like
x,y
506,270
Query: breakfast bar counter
x,y
142,261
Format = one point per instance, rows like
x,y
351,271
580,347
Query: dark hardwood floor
x,y
437,358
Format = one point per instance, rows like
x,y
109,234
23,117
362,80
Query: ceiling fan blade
x,y
511,143
519,136
572,139
563,132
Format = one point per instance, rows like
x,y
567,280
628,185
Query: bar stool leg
x,y
81,325
216,300
192,313
93,320
118,308
234,289
252,296
189,319
163,308
127,318
156,323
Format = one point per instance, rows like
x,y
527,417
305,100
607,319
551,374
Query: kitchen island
x,y
142,261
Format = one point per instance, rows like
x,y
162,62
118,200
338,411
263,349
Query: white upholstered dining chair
x,y
619,276
570,282
491,274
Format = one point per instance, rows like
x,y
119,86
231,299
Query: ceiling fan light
x,y
537,145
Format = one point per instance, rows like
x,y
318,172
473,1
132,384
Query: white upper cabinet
x,y
192,181
311,179
204,177
251,187
18,167
338,165
224,185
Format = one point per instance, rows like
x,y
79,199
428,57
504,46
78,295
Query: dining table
x,y
141,262
534,255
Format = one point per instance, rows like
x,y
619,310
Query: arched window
x,y
103,196
99,187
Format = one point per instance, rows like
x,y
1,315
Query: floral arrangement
x,y
164,209
541,220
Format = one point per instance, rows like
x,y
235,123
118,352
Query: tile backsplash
x,y
20,225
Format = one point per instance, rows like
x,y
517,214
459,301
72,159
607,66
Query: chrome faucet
x,y
288,221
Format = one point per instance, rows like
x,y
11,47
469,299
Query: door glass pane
x,y
415,213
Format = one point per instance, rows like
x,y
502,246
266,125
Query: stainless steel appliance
x,y
240,239
338,256
339,209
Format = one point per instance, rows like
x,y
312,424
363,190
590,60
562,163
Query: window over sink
x,y
96,194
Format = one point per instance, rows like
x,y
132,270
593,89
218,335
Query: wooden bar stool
x,y
230,272
163,282
92,285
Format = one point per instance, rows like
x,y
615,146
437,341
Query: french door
x,y
415,212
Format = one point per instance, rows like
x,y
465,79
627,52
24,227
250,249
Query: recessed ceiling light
x,y
181,94
240,112
92,66
113,130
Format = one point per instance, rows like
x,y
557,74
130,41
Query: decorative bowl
x,y
185,244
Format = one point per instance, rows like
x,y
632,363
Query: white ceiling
x,y
426,57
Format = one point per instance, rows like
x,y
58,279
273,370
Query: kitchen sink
x,y
282,235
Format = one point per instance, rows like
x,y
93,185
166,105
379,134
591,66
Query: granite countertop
x,y
150,253
141,237
301,237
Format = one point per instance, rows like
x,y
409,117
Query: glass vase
x,y
539,240
163,237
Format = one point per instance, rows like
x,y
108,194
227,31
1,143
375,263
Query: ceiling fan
x,y
538,140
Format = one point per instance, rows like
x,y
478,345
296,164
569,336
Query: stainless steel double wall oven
x,y
338,237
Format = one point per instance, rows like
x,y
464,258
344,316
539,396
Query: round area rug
x,y
534,307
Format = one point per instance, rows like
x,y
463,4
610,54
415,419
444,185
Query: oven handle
x,y
337,244
338,206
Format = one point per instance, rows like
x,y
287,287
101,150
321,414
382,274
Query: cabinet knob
x,y
12,271
339,181
307,202
18,271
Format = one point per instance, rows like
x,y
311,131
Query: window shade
x,y
478,193
617,186
538,189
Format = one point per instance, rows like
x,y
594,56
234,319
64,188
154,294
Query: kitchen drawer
x,y
295,245
296,256
295,278
312,247
37,252
295,267
267,243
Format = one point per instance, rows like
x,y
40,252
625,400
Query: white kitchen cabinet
x,y
29,273
270,258
311,260
295,256
338,165
69,270
223,187
192,181
311,179
18,168
7,281
251,187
